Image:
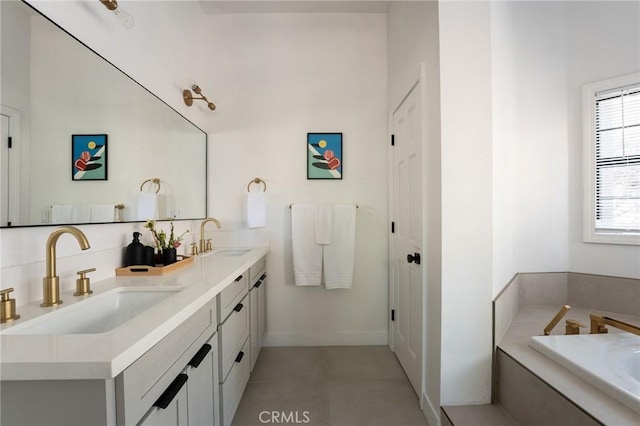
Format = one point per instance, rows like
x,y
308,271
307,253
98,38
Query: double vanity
x,y
170,349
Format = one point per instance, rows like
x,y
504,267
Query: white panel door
x,y
407,237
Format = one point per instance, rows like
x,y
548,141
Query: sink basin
x,y
226,252
97,314
231,252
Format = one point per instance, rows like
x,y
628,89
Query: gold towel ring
x,y
257,181
154,180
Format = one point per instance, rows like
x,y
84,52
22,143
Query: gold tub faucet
x,y
51,282
203,246
599,325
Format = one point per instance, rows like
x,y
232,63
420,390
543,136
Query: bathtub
x,y
610,362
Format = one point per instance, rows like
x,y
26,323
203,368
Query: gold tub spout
x,y
51,282
203,246
599,323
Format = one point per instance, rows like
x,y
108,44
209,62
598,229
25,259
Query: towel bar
x,y
257,181
154,180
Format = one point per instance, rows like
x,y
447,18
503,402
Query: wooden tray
x,y
154,270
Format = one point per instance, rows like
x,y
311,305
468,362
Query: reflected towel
x,y
70,213
307,255
101,213
339,256
256,209
324,214
147,206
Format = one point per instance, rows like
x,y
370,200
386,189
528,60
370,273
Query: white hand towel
x,y
256,209
339,256
62,213
324,214
307,255
147,207
101,213
81,213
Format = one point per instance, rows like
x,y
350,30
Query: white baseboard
x,y
327,338
430,412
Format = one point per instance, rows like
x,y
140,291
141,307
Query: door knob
x,y
414,258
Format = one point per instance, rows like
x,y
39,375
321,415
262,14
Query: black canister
x,y
149,256
135,251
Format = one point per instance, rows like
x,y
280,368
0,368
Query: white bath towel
x,y
70,213
324,215
101,213
339,256
256,209
147,205
307,255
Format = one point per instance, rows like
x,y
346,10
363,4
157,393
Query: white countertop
x,y
105,355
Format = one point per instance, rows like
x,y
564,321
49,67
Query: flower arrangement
x,y
160,237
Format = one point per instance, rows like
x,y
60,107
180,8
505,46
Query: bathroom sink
x,y
97,314
226,252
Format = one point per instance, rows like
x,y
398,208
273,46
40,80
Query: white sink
x,y
97,314
226,252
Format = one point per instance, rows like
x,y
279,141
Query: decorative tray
x,y
133,270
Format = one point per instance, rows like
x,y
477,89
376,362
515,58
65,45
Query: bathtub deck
x,y
530,321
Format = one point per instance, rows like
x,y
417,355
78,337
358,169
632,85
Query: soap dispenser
x,y
135,251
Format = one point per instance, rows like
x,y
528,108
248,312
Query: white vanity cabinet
x,y
233,338
152,386
258,304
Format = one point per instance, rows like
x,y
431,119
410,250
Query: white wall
x,y
530,148
467,223
280,76
413,40
603,41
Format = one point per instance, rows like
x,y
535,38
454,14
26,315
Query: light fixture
x,y
125,19
188,97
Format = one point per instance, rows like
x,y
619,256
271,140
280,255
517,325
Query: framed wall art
x,y
324,156
89,157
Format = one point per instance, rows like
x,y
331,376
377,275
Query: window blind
x,y
617,130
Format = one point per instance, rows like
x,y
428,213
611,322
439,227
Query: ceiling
x,y
292,6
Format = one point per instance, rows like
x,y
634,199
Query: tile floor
x,y
329,386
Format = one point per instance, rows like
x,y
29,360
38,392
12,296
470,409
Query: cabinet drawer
x,y
233,387
256,270
232,334
140,385
231,296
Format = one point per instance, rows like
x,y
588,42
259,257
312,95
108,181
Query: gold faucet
x,y
203,246
563,310
51,282
599,323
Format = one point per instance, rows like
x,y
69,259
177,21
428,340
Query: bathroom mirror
x,y
85,136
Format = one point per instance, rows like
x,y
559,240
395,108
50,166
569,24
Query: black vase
x,y
169,256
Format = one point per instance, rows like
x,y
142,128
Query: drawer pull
x,y
171,392
258,284
200,355
238,307
239,278
240,356
263,276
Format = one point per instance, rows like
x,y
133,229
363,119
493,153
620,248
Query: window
x,y
612,153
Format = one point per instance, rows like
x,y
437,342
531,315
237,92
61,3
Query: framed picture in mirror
x,y
89,157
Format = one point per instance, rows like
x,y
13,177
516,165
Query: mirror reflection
x,y
88,144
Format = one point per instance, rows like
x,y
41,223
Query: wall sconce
x,y
188,97
125,19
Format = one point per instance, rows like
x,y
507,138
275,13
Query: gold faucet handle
x,y
194,249
83,283
209,245
573,327
7,306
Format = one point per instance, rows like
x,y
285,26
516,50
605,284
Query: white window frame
x,y
589,217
